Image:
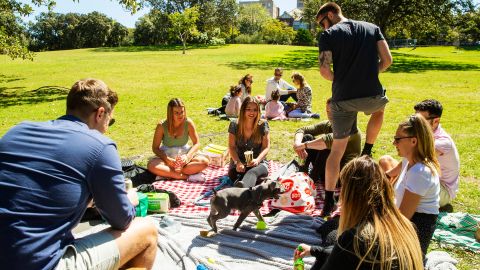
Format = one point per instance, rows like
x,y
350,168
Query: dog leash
x,y
225,181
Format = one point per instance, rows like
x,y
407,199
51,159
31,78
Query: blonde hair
x,y
386,236
174,102
418,127
300,78
241,130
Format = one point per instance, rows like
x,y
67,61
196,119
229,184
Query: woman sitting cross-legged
x,y
373,234
248,143
174,158
303,108
416,181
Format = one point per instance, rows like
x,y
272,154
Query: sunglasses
x,y
111,122
397,139
278,75
320,22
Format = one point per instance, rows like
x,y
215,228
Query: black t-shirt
x,y
355,59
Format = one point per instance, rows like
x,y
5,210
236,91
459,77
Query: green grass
x,y
147,78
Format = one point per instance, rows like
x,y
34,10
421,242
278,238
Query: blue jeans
x,y
297,113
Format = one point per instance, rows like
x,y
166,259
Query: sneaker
x,y
238,184
198,177
315,116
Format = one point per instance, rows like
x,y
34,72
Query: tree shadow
x,y
13,96
296,59
155,48
8,79
469,48
408,63
307,59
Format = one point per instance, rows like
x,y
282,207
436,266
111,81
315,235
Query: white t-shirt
x,y
420,180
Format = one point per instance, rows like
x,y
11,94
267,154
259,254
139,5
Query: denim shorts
x,y
344,113
94,251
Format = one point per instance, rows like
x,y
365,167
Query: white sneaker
x,y
198,177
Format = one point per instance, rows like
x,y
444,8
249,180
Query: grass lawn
x,y
147,78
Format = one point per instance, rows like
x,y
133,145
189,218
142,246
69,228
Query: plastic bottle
x,y
128,184
298,263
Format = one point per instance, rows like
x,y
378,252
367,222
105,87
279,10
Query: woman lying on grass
x,y
175,159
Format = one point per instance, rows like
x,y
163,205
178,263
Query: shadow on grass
x,y
297,59
155,48
402,62
408,63
469,48
8,79
12,96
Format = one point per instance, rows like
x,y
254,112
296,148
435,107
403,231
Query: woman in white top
x,y
417,186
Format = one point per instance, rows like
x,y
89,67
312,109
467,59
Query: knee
x,y
385,161
204,160
147,227
151,165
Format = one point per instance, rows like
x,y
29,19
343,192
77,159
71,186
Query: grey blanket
x,y
182,247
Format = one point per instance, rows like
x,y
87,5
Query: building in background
x,y
294,18
272,9
300,4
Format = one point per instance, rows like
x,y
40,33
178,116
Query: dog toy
x,y
261,225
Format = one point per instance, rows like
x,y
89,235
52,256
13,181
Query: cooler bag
x,y
299,195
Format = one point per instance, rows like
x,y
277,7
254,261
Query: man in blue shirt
x,y
358,52
50,171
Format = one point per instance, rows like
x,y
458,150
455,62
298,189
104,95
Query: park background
x,y
42,58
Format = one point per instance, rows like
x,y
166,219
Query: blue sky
x,y
114,10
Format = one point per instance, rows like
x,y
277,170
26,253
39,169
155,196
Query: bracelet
x,y
306,145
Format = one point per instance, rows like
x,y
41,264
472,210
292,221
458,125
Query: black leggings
x,y
425,225
250,176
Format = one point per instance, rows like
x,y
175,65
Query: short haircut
x,y
432,106
329,7
88,95
279,70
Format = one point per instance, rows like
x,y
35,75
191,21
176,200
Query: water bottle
x,y
298,263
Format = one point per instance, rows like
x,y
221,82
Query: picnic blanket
x,y
188,192
247,248
457,229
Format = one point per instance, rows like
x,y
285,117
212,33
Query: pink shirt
x,y
233,106
449,160
274,110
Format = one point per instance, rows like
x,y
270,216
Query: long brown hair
x,y
368,205
241,130
174,102
418,127
300,78
243,80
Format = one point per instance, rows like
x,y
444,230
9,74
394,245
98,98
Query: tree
x,y
226,16
14,43
310,9
152,29
303,37
252,18
184,24
277,32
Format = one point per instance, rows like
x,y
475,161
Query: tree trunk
x,y
184,47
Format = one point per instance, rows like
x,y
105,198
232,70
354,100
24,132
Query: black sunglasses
x,y
111,122
397,139
320,22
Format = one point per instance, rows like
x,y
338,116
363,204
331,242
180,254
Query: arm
x,y
233,153
384,55
325,59
409,204
107,185
157,141
263,153
285,85
192,133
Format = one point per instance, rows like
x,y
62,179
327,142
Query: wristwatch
x,y
306,145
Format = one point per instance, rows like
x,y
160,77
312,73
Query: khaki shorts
x,y
94,251
444,196
344,113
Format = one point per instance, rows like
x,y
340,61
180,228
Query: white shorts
x,y
94,251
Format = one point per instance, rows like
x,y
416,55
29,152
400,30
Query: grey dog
x,y
246,200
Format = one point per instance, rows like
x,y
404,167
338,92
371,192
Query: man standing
x,y
50,171
358,52
447,153
277,83
315,151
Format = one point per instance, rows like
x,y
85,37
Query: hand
x,y
183,160
133,196
300,150
170,162
300,254
253,163
240,167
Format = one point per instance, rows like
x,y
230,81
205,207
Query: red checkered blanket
x,y
188,192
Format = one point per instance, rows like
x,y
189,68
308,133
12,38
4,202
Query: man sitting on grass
x,y
50,171
316,151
